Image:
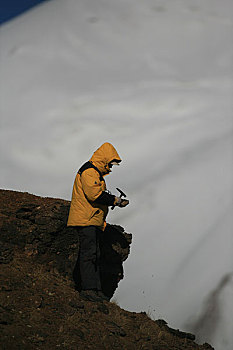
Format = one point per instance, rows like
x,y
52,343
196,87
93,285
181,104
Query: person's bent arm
x,y
93,190
105,198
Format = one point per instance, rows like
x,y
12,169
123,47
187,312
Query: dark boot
x,y
102,295
90,295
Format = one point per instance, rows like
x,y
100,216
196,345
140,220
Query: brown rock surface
x,y
39,306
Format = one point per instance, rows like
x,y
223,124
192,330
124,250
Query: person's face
x,y
110,164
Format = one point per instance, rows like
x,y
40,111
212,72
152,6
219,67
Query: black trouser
x,y
89,257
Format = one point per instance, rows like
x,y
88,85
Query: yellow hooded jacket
x,y
88,186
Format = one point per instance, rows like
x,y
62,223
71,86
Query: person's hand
x,y
120,202
123,203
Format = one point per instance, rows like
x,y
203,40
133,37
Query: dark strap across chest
x,y
89,165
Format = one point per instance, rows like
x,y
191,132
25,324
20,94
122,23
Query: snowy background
x,y
155,78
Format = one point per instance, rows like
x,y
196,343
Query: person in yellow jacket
x,y
88,211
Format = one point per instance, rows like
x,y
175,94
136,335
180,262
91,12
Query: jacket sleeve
x,y
105,198
91,184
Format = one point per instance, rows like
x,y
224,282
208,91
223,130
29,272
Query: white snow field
x,y
155,78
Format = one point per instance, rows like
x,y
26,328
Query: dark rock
x,y
6,253
76,305
176,332
103,308
161,323
207,346
116,329
115,248
6,317
79,333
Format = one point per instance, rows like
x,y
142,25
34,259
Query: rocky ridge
x,y
39,304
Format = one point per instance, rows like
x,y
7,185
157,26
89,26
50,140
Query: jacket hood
x,y
103,156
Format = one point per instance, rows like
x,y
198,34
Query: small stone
x,y
103,308
76,305
79,333
122,333
162,335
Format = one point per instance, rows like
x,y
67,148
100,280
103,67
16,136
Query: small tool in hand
x,y
122,194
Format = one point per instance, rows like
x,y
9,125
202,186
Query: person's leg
x,y
89,258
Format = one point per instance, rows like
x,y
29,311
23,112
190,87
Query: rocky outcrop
x,y
39,306
37,226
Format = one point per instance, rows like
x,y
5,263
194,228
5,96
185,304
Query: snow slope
x,y
155,79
